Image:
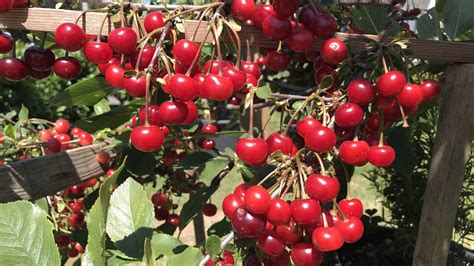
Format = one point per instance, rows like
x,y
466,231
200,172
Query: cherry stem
x,y
249,58
101,28
212,5
167,64
384,64
122,15
325,221
381,128
137,67
195,59
280,46
203,15
270,174
158,47
147,97
288,185
344,217
293,116
252,92
323,106
321,164
404,117
239,47
213,53
218,45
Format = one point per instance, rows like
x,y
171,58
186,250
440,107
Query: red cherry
x,y
307,15
237,77
250,80
103,67
351,207
209,128
135,86
183,87
154,117
173,113
180,69
354,152
75,132
62,241
322,188
77,189
327,239
184,52
257,200
290,233
381,156
97,52
373,122
301,40
278,142
240,190
270,243
279,212
261,60
351,230
261,12
251,68
147,138
348,115
6,6
246,224
161,213
334,51
282,260
53,145
252,151
361,92
217,87
278,61
391,83
102,157
304,254
76,205
70,37
430,89
321,139
159,199
153,21
6,43
212,66
173,219
61,126
324,26
68,68
322,72
38,75
72,253
306,125
145,59
276,28
319,63
39,59
227,260
199,81
192,113
311,55
44,135
243,9
305,211
123,40
76,220
209,209
85,139
285,8
230,204
90,182
389,107
411,95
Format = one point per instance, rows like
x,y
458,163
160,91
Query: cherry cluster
x,y
7,5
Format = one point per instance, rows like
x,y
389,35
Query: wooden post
x,y
450,154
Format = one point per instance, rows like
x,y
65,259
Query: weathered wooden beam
x,y
450,154
38,177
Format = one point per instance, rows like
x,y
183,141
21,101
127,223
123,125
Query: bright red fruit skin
x,y
334,51
209,209
243,9
217,87
351,230
430,89
44,135
147,138
70,37
278,142
278,61
192,113
270,243
389,107
354,152
306,15
145,59
173,219
6,43
381,156
153,21
240,190
38,75
321,139
257,200
304,254
327,239
153,115
20,3
13,69
39,59
53,145
237,77
185,50
6,5
199,81
209,128
306,125
135,86
348,115
246,224
231,203
285,8
305,211
252,151
98,52
159,199
322,188
68,68
212,66
183,87
276,28
324,26
251,68
291,233
103,67
391,83
361,92
85,139
173,113
61,126
261,12
300,40
351,207
123,40
114,76
279,212
411,95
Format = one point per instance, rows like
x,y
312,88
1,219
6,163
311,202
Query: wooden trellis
x,y
450,153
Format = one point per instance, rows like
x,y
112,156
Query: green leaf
x,y
9,131
196,159
87,92
23,114
371,19
113,119
325,83
43,204
263,92
129,210
212,168
440,6
101,107
428,26
213,245
140,163
26,236
458,17
167,245
220,228
406,159
149,256
189,257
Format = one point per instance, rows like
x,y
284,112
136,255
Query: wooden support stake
x,y
450,154
38,177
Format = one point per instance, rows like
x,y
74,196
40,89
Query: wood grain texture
x,y
450,154
38,177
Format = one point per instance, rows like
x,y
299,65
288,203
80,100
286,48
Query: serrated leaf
x,y
458,17
129,210
26,236
101,107
167,245
87,92
195,159
23,114
189,257
212,168
263,92
213,245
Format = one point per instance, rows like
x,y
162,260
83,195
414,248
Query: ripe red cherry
x,y
212,66
251,80
389,107
322,188
20,3
354,152
324,26
209,209
348,115
123,40
76,205
6,43
185,50
306,125
240,190
290,233
278,142
135,86
173,113
183,87
334,51
306,15
217,87
199,81
327,239
76,220
246,224
373,122
62,241
351,230
161,213
159,199
103,67
97,52
322,72
321,139
361,92
305,211
282,260
85,139
44,135
381,156
147,138
304,254
91,182
61,126
351,207
68,68
257,200
39,59
231,203
261,12
209,128
251,68
285,8
411,95
153,21
276,28
430,89
72,253
53,145
301,40
145,59
192,113
252,151
6,5
279,212
38,75
180,69
173,219
70,37
237,77
227,260
114,76
270,243
77,189
243,9
153,115
278,61
391,83
102,157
